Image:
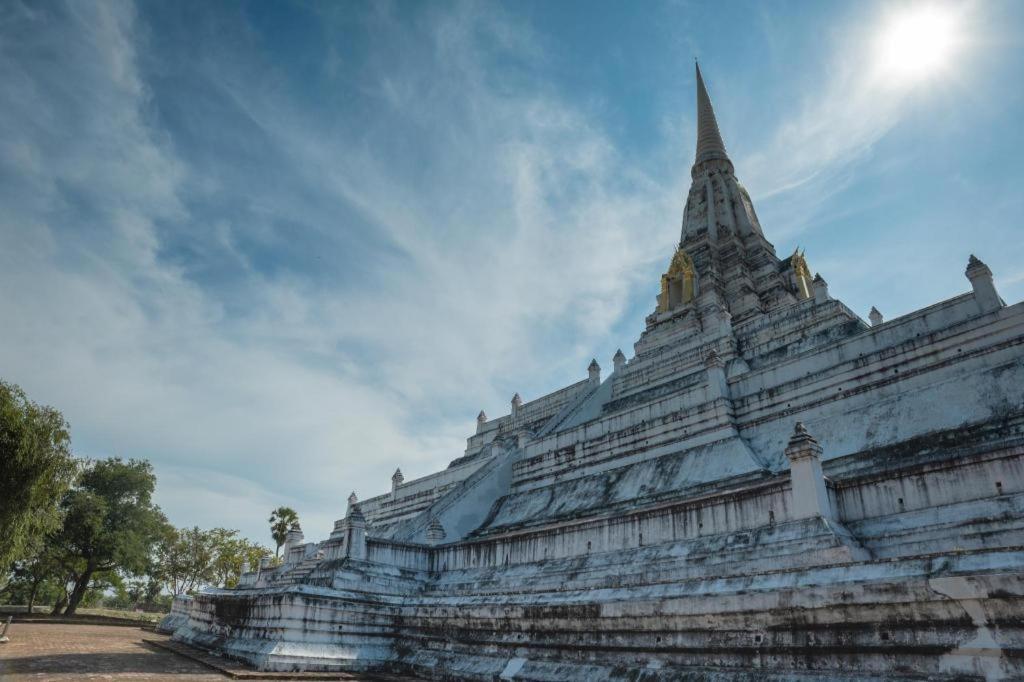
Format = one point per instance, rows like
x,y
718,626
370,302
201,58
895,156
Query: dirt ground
x,y
55,651
78,651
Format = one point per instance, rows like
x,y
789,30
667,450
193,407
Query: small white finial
x,y
820,288
875,317
618,360
984,287
801,442
435,531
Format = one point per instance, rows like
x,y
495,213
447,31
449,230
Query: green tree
x,y
136,592
110,522
124,598
190,558
39,578
254,553
67,574
102,582
281,520
36,469
232,555
184,559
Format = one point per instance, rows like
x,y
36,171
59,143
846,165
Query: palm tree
x,y
281,519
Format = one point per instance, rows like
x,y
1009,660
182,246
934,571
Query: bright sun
x,y
917,43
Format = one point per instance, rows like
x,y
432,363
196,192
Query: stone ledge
x,y
237,670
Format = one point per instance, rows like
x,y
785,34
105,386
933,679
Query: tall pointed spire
x,y
709,139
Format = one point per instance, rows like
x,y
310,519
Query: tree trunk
x,y
32,596
59,606
80,588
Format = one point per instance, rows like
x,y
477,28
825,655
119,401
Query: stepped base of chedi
x,y
771,488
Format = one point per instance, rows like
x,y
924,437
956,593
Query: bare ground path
x,y
58,651
77,651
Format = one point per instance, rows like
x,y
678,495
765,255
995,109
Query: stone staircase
x,y
465,507
298,574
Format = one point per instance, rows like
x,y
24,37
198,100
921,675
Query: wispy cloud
x,y
519,228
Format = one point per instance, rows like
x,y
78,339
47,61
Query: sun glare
x,y
917,43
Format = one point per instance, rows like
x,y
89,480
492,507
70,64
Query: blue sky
x,y
280,249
